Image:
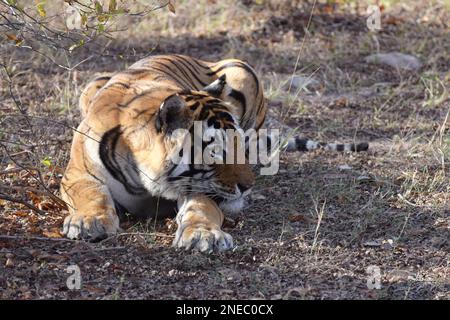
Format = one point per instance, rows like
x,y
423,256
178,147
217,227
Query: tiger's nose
x,y
244,187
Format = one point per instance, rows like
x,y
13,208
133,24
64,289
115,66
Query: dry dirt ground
x,y
309,232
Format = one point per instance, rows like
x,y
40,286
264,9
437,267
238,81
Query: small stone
x,y
306,83
9,263
388,244
372,243
345,167
258,197
396,60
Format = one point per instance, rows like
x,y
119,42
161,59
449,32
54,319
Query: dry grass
x,y
310,231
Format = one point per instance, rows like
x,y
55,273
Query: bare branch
x,y
29,205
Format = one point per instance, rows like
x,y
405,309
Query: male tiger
x,y
121,151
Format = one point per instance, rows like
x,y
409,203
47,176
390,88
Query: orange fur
x,y
130,100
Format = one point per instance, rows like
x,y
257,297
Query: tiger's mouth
x,y
232,204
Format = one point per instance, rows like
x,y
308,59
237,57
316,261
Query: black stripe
x,y
340,147
126,86
196,62
134,71
363,146
239,97
139,113
102,78
140,95
172,74
89,171
186,76
133,173
194,106
107,151
300,144
238,65
183,61
142,126
188,173
262,122
260,106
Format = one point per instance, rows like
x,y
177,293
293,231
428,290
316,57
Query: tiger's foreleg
x,y
199,222
91,208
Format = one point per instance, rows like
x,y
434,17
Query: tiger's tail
x,y
299,144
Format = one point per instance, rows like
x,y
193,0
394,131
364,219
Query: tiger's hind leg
x,y
199,222
90,91
243,90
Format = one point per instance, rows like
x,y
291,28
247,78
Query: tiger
x,y
121,157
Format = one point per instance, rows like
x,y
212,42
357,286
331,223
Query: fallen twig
x,y
97,249
16,170
25,237
29,205
158,234
59,202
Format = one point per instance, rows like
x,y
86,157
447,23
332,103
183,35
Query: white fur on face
x,y
232,206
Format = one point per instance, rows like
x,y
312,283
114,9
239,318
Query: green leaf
x,y
76,45
84,19
103,18
98,7
120,11
47,162
100,27
41,9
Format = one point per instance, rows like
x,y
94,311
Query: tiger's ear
x,y
216,88
173,114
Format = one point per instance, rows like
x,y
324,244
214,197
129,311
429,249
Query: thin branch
x,y
125,234
15,170
25,237
29,205
61,204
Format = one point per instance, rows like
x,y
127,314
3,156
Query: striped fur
x,y
120,156
122,151
299,144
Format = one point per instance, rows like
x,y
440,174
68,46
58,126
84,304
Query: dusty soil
x,y
309,232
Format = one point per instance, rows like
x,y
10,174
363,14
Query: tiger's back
x,y
163,75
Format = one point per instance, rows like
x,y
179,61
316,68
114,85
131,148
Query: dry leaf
x,y
21,214
53,233
12,37
298,218
171,7
372,243
327,9
392,20
340,103
94,289
229,223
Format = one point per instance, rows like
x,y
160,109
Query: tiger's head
x,y
177,170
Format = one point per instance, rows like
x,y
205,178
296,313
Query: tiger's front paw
x,y
91,226
202,238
